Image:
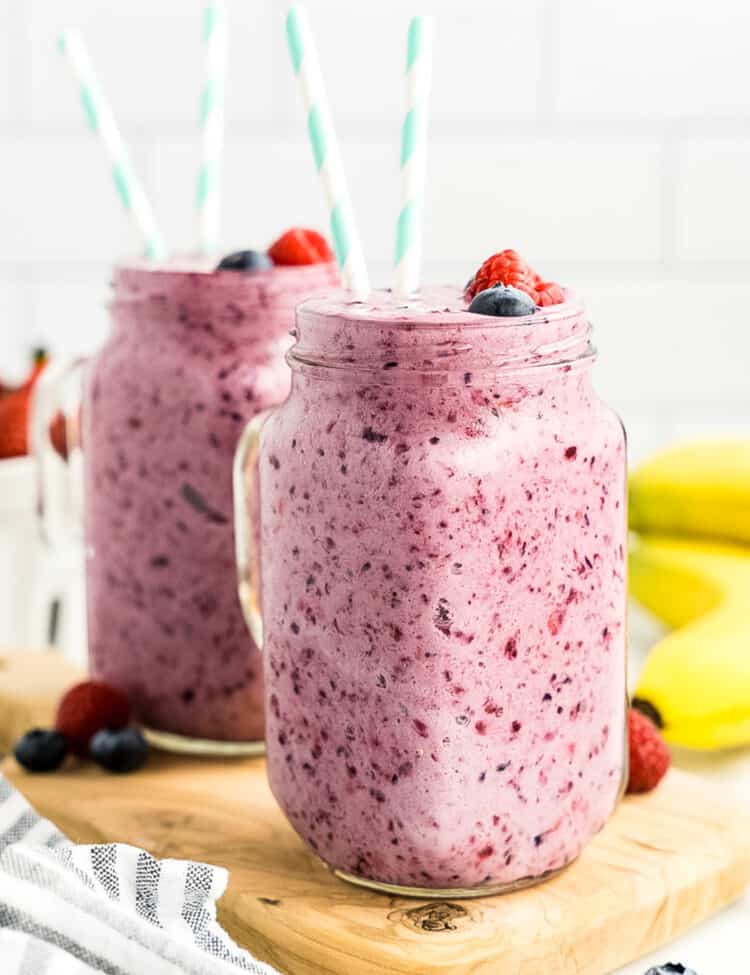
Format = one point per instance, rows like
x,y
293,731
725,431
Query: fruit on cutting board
x,y
649,757
91,722
696,680
697,489
119,750
671,968
85,709
41,750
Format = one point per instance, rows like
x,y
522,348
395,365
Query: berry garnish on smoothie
x,y
509,268
247,260
300,246
503,301
296,247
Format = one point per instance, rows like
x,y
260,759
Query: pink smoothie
x,y
193,355
443,561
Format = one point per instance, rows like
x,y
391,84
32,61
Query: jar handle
x,y
55,440
247,525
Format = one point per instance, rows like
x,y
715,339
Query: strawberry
x,y
87,708
14,421
39,361
14,412
58,435
649,756
300,246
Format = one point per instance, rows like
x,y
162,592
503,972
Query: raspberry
x,y
300,246
507,267
549,293
87,708
649,756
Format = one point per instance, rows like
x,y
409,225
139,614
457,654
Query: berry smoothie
x,y
194,353
444,585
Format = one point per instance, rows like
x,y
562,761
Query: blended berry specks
x,y
372,436
421,728
443,616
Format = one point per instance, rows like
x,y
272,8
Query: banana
x,y
698,677
698,489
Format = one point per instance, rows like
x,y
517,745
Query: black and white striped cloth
x,y
76,910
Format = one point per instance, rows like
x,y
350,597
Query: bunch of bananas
x,y
690,566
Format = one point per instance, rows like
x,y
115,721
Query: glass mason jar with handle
x,y
193,355
442,556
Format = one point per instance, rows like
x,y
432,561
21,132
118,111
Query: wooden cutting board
x,y
665,861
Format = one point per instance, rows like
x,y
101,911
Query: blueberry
x,y
245,261
670,968
504,301
121,750
41,750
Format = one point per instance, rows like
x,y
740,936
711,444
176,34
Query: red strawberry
x,y
14,412
14,421
87,708
506,267
300,246
40,360
649,756
58,434
549,293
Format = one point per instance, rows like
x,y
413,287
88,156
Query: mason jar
x,y
443,568
193,354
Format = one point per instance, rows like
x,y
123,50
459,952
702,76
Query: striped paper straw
x,y
215,36
346,241
409,228
101,121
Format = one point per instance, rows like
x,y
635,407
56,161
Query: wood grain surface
x,y
665,861
30,686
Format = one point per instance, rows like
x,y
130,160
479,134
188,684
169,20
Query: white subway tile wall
x,y
607,141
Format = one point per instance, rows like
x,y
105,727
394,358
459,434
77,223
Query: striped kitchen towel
x,y
75,910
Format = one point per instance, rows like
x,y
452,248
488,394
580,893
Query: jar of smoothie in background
x,y
443,570
194,353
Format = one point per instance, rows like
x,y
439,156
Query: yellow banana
x,y
697,677
697,489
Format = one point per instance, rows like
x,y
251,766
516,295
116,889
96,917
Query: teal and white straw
x,y
215,37
346,241
409,229
101,121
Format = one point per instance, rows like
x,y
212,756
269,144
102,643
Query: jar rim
x,y
428,340
194,267
415,313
